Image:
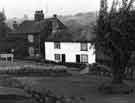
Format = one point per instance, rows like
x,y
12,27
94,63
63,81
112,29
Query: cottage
x,y
70,52
62,47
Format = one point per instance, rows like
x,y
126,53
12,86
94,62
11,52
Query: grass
x,y
9,93
75,85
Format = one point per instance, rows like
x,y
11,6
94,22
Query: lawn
x,y
77,86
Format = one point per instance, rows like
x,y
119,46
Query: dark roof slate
x,y
31,26
62,35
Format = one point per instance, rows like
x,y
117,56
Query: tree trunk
x,y
117,85
116,72
117,76
118,66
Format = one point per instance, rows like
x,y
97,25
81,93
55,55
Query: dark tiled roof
x,y
62,35
61,25
31,26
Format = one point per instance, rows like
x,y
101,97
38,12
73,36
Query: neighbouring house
x,y
62,47
28,38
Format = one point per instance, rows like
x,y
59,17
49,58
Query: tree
x,y
3,26
115,34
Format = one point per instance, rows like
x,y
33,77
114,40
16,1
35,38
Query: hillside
x,y
80,24
80,18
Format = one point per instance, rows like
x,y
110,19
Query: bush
x,y
36,72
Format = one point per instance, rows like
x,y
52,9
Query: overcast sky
x,y
17,8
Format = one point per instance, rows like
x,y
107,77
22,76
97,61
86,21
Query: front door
x,y
63,58
77,58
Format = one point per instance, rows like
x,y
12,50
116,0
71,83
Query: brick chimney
x,y
39,15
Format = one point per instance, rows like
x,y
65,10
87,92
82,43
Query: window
x,y
57,57
31,51
84,58
84,47
30,38
55,25
57,45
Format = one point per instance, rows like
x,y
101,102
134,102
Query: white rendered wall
x,y
70,49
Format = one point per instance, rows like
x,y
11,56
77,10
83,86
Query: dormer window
x,y
30,38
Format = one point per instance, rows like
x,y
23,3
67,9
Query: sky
x,y
17,8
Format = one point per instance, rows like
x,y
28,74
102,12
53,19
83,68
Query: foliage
x,y
115,34
31,71
3,26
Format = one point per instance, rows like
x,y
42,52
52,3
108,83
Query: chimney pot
x,y
55,16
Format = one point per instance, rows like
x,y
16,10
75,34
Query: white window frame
x,y
31,51
30,38
84,46
57,57
57,45
84,58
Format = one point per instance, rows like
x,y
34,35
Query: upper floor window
x,y
56,45
84,47
31,38
55,26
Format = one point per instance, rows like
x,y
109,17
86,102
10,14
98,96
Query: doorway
x,y
63,58
77,58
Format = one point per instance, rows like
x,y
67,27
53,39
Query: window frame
x,y
55,25
84,58
57,57
31,51
84,46
29,38
57,45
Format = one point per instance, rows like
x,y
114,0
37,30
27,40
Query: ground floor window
x,y
31,51
84,58
57,57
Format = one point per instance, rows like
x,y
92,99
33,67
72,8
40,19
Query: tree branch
x,y
130,4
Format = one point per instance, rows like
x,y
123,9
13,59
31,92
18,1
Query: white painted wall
x,y
70,49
